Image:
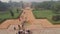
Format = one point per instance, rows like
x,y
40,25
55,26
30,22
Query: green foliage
x,y
56,18
50,5
44,5
46,14
7,15
56,8
4,6
12,14
17,10
42,13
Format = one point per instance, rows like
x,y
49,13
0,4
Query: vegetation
x,y
8,15
47,9
50,5
47,14
4,6
12,14
47,5
10,10
56,18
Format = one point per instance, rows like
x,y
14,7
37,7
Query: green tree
x,y
4,6
17,10
57,8
12,14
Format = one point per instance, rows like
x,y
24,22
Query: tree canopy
x,y
4,6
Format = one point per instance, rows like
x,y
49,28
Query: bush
x,y
12,14
56,18
17,10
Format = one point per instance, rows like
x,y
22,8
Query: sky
x,y
25,0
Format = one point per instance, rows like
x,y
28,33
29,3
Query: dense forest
x,y
50,5
8,6
4,6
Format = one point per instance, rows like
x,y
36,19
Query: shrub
x,y
56,18
12,14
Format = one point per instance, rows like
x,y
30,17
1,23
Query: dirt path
x,y
35,23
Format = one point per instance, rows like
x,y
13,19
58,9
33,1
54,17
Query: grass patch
x,y
45,14
7,15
